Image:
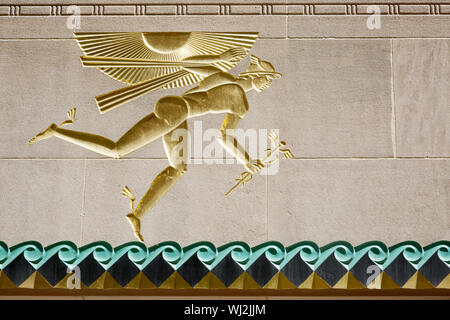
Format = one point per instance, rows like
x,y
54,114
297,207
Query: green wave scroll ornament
x,y
233,265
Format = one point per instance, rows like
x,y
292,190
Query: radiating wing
x,y
170,46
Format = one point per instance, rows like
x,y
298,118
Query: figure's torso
x,y
218,93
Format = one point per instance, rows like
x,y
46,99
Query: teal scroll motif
x,y
210,255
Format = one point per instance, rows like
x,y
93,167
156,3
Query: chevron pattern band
x,y
339,265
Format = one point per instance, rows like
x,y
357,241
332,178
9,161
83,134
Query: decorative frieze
x,y
229,9
235,265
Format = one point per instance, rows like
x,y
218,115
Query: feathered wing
x,y
132,45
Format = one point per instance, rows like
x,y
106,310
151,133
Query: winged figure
x,y
147,61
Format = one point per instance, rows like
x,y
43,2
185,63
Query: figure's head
x,y
260,73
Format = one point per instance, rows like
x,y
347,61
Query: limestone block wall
x,y
366,113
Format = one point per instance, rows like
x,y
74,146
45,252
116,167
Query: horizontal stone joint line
x,y
293,38
209,159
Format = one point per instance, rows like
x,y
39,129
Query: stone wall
x,y
366,113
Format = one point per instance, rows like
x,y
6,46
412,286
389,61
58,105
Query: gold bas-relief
x,y
148,61
270,157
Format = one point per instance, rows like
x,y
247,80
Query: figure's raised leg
x,y
175,144
49,132
169,112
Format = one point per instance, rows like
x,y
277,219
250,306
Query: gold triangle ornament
x,y
105,281
308,282
5,282
383,281
40,282
216,283
238,283
244,281
169,283
273,282
314,282
110,282
35,281
284,282
140,282
418,281
204,283
210,281
134,283
180,283
445,284
319,283
348,281
249,282
146,283
62,284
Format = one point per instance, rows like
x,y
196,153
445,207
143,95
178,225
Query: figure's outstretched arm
x,y
230,55
231,144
